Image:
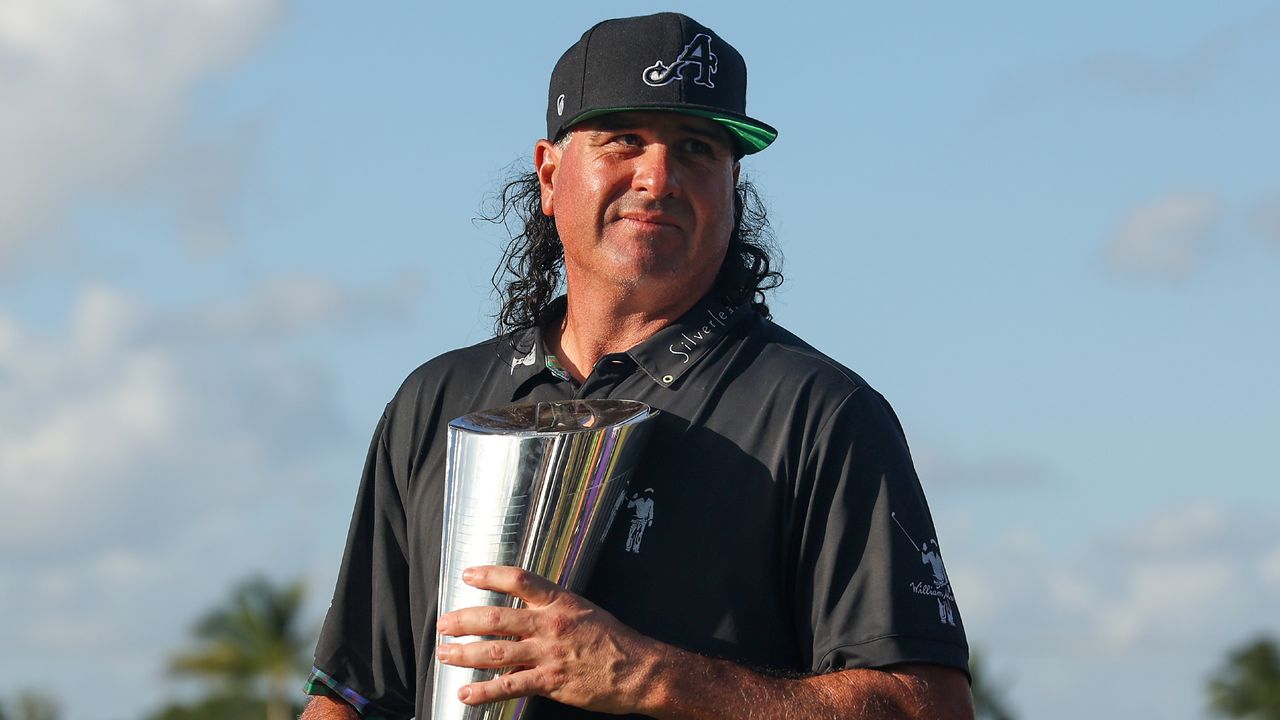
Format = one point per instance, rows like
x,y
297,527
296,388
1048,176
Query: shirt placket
x,y
608,372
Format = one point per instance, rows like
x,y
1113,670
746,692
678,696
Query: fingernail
x,y
442,652
468,575
464,693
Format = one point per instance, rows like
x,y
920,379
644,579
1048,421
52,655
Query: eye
x,y
695,146
628,139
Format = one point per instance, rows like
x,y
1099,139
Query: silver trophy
x,y
534,486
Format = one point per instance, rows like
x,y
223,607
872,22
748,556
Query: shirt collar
x,y
526,352
526,355
675,349
665,357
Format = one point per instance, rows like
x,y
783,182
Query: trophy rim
x,y
554,417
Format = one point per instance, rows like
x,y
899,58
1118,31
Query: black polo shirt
x,y
775,520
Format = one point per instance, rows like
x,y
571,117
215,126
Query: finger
x,y
504,687
487,620
530,587
488,654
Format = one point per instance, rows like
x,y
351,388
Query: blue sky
x,y
1050,236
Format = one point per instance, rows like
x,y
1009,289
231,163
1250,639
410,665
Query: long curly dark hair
x,y
530,274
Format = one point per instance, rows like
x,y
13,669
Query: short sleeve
x,y
871,586
366,647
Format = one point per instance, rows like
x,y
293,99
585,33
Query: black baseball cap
x,y
666,61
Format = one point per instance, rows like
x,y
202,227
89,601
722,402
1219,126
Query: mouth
x,y
651,221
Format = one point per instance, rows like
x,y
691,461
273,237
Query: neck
x,y
595,325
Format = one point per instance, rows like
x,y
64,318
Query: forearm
x,y
691,687
326,708
563,647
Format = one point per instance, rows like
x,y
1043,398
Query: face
x,y
643,202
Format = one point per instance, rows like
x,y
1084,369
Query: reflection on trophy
x,y
534,486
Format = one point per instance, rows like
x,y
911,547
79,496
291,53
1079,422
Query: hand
x,y
565,647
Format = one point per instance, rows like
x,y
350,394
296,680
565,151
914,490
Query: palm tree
x,y
254,640
1248,685
31,705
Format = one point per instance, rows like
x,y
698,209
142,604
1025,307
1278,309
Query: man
x,y
776,585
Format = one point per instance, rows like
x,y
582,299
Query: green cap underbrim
x,y
751,137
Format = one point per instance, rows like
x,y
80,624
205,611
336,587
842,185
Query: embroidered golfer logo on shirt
x,y
643,505
697,52
526,360
939,585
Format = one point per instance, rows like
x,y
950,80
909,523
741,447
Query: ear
x,y
737,167
546,158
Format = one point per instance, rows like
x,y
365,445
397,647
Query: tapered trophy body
x,y
534,486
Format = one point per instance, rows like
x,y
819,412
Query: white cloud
x,y
140,413
1162,596
1162,599
149,457
1182,529
1180,576
1157,602
102,88
1167,237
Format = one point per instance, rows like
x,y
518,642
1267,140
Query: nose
x,y
656,173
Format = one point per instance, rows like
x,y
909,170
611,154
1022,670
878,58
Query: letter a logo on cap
x,y
697,52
